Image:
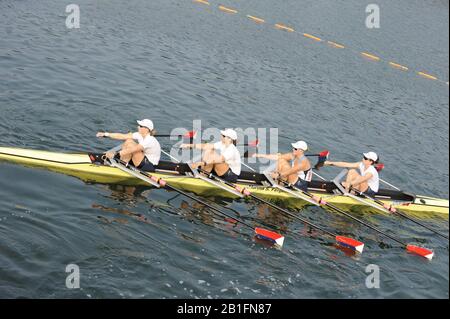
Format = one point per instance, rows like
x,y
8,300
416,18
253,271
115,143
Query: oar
x,y
394,210
421,251
322,158
324,154
254,143
341,240
190,134
261,233
389,208
379,167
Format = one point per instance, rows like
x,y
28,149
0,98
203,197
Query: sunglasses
x,y
295,149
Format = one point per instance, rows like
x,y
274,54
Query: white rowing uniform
x,y
152,149
303,175
231,155
374,181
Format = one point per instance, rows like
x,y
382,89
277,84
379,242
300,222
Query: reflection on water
x,y
58,88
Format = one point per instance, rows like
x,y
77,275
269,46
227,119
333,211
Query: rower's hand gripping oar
x,y
421,251
340,240
158,182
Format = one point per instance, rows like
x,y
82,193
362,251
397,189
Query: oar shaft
x,y
314,173
172,157
398,212
208,205
389,184
365,224
419,223
286,212
337,209
168,135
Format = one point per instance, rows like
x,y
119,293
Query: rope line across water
x,y
286,28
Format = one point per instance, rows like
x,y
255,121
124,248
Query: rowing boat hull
x,y
80,166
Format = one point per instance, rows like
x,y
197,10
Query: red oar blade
x,y
379,167
191,134
351,243
324,154
421,251
254,143
271,236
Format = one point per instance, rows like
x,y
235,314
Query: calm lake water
x,y
176,61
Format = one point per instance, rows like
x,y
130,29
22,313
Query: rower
x,y
293,168
141,149
365,180
222,157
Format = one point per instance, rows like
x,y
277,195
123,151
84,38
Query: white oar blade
x,y
421,251
350,243
271,236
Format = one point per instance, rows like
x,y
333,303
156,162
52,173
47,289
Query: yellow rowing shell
x,y
80,166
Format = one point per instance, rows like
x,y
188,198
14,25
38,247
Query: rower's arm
x,y
204,146
116,136
274,157
342,164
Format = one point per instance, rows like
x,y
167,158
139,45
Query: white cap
x,y
230,133
300,145
146,123
371,155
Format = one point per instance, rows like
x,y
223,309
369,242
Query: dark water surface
x,y
176,61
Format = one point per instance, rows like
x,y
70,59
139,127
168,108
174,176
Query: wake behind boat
x,y
90,167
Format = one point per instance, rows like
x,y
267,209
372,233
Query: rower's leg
x,y
221,169
207,157
126,145
362,187
136,157
284,165
352,176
